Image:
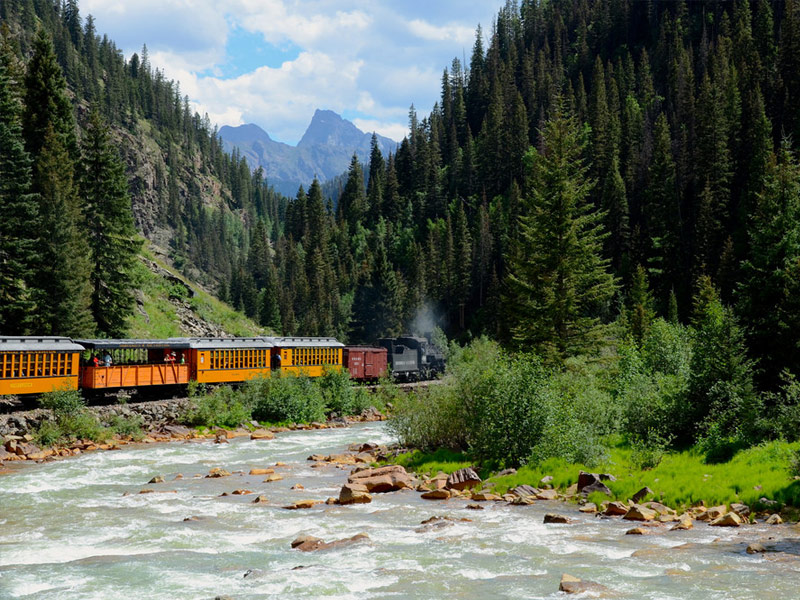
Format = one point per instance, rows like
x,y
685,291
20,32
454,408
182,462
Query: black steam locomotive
x,y
413,358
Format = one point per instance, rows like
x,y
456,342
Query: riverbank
x,y
756,481
157,422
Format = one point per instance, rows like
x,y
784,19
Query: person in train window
x,y
276,361
96,360
183,359
107,359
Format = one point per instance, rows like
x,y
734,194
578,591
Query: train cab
x,y
307,355
36,364
115,364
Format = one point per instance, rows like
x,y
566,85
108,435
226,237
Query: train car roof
x,y
367,348
306,342
230,343
174,343
38,344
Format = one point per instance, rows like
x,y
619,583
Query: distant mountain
x,y
324,151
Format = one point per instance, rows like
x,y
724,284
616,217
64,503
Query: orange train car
x,y
230,360
114,364
35,365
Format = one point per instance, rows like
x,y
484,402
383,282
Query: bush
x,y
128,426
71,420
648,451
286,399
339,395
224,407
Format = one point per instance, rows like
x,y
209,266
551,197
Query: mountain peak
x,y
244,133
330,129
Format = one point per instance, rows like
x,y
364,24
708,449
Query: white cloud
x,y
376,58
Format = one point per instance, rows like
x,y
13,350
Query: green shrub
x,y
281,399
224,407
71,419
128,426
339,394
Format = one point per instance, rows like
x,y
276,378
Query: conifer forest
x,y
592,167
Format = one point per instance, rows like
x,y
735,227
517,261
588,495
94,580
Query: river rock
x,y
661,509
522,500
642,494
262,471
474,507
585,479
767,502
382,479
546,481
26,449
615,509
41,455
6,455
485,497
684,523
260,499
317,457
462,479
637,512
755,548
730,519
525,490
441,494
439,482
302,504
241,492
547,495
639,531
341,459
310,544
774,520
506,472
740,509
711,514
217,472
588,508
573,585
262,434
273,477
556,518
354,493
157,479
596,487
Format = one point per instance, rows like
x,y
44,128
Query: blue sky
x,y
273,62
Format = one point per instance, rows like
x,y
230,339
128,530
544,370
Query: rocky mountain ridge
x,y
324,151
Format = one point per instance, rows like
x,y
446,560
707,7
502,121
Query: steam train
x,y
35,365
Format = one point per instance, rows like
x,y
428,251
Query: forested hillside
x,y
166,175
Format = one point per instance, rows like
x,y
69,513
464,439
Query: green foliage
x,y
294,398
444,460
131,427
339,394
223,407
71,419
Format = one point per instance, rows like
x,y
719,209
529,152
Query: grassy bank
x,y
680,480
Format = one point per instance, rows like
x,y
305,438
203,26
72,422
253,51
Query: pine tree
x,y
109,225
557,281
640,305
64,290
19,225
769,293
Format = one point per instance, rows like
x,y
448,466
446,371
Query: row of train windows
x,y
239,359
315,356
36,364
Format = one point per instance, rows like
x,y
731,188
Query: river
x,y
80,529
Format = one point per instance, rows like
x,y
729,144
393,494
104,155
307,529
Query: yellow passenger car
x,y
308,355
230,360
35,365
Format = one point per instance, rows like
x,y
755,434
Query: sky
x,y
274,62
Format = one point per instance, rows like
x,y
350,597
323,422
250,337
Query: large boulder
x,y
354,493
615,509
462,479
684,523
642,494
556,518
547,495
382,479
441,494
637,512
525,490
710,514
774,520
730,519
740,509
573,585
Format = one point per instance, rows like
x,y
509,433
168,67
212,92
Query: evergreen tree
x,y
558,284
64,289
19,225
108,222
